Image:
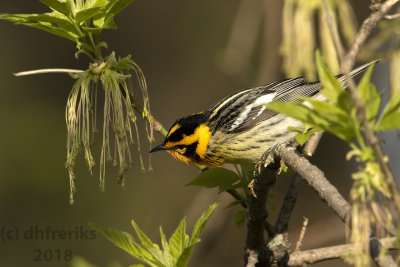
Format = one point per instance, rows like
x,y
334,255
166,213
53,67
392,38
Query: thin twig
x,y
393,16
302,234
281,225
45,71
300,258
368,25
312,143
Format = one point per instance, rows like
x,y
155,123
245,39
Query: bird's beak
x,y
158,148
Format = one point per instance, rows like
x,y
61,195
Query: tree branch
x,y
256,251
316,179
286,210
393,16
281,225
368,25
300,258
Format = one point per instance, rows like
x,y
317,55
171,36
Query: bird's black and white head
x,y
187,139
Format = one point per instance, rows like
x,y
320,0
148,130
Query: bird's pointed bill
x,y
158,148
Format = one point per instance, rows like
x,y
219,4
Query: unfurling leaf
x,y
332,87
369,96
176,252
390,118
61,6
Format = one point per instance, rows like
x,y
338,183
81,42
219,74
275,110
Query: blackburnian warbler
x,y
239,128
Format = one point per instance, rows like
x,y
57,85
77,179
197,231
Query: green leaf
x,y
240,217
148,246
202,221
54,30
332,87
106,20
54,23
303,136
368,95
325,116
291,109
179,240
283,169
195,238
393,105
96,3
177,250
117,6
68,14
96,31
87,14
390,118
247,169
390,122
58,5
142,237
167,258
52,17
344,102
373,104
184,257
326,107
126,242
363,86
216,177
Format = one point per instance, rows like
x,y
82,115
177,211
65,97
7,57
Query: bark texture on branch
x,y
316,179
256,250
289,202
299,258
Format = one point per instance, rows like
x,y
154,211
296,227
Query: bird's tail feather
x,y
355,72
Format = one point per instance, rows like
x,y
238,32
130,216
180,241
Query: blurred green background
x,y
179,45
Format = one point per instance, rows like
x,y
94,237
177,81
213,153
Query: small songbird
x,y
239,128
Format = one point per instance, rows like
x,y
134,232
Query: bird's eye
x,y
181,149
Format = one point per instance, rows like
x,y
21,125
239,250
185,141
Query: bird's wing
x,y
245,109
